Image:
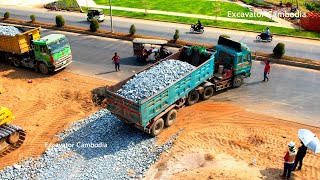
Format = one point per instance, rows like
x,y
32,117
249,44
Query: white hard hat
x,y
291,144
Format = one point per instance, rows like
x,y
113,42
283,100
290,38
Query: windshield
x,y
58,45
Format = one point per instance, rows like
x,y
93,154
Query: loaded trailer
x,y
28,49
218,69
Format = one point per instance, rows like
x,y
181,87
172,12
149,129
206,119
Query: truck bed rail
x,y
20,43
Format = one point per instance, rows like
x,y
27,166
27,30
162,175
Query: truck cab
x,y
232,63
52,52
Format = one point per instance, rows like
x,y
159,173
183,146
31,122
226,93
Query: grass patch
x,y
65,5
207,22
203,7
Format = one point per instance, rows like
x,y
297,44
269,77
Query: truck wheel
x,y
207,92
193,97
171,117
237,81
157,127
43,68
16,62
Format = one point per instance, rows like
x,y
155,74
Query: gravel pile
x,y
125,152
9,30
148,83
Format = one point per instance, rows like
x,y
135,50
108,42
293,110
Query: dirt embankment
x,y
44,107
221,141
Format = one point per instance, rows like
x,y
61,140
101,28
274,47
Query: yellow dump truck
x,y
11,136
29,49
20,43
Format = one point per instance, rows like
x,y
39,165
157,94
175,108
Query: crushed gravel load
x,y
9,30
97,147
154,80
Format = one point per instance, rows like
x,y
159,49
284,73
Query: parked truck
x,y
28,49
218,69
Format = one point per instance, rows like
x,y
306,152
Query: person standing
x,y
115,59
266,70
289,160
302,151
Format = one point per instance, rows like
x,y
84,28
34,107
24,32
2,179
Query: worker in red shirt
x,y
115,59
266,70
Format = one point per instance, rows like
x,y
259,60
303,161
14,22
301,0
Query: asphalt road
x,y
294,46
292,93
92,56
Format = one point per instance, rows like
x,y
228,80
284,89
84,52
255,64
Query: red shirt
x,y
116,58
267,67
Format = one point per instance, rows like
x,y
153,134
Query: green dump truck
x,y
218,69
28,49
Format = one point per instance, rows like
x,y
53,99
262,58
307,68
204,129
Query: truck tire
x,y
237,81
170,117
16,62
157,127
193,97
207,92
43,68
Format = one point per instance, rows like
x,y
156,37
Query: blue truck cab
x,y
232,62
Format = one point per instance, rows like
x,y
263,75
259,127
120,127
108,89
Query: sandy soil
x,y
45,107
220,141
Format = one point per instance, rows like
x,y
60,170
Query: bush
x,y
94,25
279,50
33,17
314,6
176,35
224,35
60,21
6,15
132,29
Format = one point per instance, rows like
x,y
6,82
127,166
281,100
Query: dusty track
x,y
45,107
231,137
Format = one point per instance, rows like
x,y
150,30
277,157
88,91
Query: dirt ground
x,y
221,141
44,107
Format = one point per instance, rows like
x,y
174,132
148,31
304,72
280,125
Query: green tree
x,y
94,25
146,6
279,50
32,17
60,21
216,9
176,35
132,30
6,15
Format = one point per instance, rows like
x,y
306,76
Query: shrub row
x,y
278,51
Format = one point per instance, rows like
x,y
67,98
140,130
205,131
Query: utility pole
x,y
87,5
111,16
